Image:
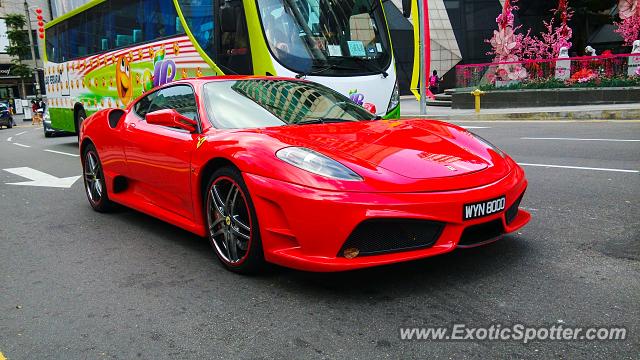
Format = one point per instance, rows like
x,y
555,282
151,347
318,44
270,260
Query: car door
x,y
159,157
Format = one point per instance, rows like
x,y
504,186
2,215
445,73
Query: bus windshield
x,y
327,37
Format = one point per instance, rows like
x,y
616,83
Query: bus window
x,y
199,15
333,37
283,34
233,52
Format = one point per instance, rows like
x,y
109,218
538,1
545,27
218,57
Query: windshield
x,y
267,103
327,37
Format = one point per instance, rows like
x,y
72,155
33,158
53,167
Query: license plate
x,y
483,208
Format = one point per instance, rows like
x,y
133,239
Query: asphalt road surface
x,y
75,284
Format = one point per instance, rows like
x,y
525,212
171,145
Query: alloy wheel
x,y
229,220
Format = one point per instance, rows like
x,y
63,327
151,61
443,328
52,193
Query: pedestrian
x,y
12,111
35,115
434,82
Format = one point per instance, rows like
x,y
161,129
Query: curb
x,y
622,114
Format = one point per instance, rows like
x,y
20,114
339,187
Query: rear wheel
x,y
232,222
94,183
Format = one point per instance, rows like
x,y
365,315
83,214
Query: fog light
x,y
350,253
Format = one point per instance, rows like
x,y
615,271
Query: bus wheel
x,y
80,116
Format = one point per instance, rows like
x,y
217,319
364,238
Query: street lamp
x,y
31,45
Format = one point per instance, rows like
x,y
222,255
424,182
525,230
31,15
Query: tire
x,y
232,222
9,125
94,182
80,117
47,135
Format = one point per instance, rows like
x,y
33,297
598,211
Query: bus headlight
x,y
314,162
395,98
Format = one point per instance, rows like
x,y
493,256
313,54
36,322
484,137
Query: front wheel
x,y
232,222
94,183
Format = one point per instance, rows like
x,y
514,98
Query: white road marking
x,y
20,133
10,138
578,139
580,168
476,127
39,178
18,144
61,153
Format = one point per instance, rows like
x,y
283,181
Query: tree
x,y
18,46
507,46
556,36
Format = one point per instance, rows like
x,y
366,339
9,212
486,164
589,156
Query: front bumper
x,y
305,228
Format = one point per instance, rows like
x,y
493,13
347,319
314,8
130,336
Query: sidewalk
x,y
411,108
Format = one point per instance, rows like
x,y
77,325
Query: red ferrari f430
x,y
293,173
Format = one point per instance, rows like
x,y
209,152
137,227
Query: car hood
x,y
415,149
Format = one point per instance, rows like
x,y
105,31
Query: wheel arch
x,y
85,142
208,169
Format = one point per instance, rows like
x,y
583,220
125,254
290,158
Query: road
x,y
75,284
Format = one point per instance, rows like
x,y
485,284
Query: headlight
x,y
46,116
395,98
316,163
490,145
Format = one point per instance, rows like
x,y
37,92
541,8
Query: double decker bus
x,y
107,52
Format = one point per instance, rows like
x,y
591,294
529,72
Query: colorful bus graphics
x,y
108,52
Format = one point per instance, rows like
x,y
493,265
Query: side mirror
x,y
406,8
171,118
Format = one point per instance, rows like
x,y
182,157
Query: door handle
x,y
133,125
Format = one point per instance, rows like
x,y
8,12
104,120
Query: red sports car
x,y
293,173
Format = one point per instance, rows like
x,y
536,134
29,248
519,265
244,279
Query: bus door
x,y
233,53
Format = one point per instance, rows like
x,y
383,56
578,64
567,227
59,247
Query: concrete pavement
x,y
75,284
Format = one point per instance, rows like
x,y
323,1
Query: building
x,y
10,85
459,29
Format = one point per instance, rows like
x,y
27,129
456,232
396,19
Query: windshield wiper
x,y
372,66
323,120
369,65
321,69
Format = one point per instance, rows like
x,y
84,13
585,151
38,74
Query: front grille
x,y
477,234
512,211
380,236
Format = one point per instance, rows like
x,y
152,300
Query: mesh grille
x,y
482,232
392,235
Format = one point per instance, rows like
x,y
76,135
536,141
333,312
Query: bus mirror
x,y
227,19
406,8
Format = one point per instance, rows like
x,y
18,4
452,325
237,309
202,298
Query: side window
x,y
180,97
141,108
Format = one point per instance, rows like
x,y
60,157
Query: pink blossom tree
x,y
629,25
506,42
507,46
556,37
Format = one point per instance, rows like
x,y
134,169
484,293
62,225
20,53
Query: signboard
x,y
4,39
5,70
27,109
18,107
